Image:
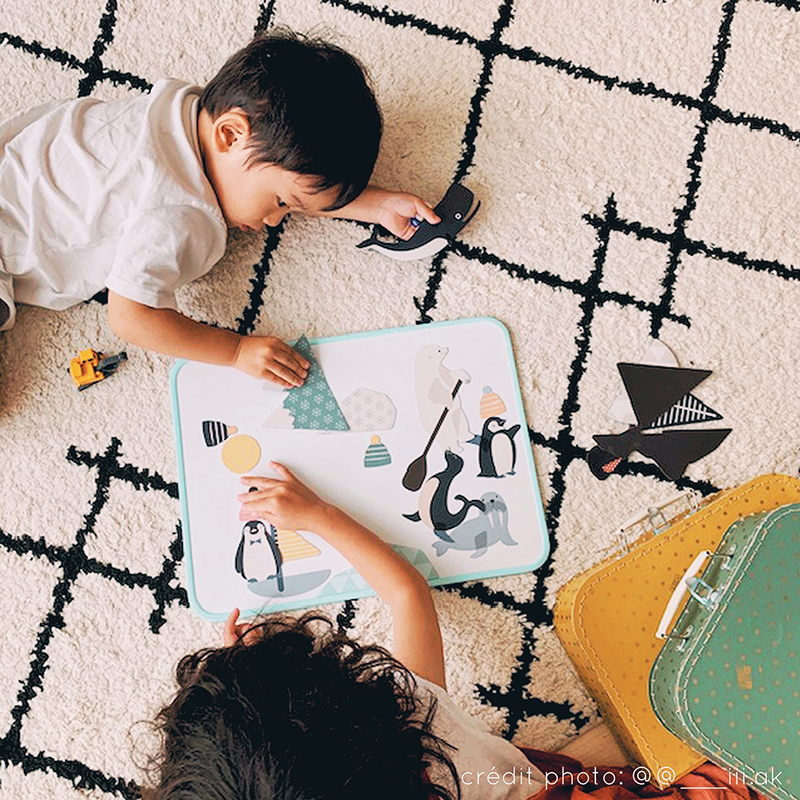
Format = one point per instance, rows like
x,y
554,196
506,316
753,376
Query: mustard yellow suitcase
x,y
608,616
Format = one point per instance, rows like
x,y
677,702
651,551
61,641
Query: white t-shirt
x,y
488,766
107,194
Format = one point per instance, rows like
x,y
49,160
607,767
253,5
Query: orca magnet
x,y
454,212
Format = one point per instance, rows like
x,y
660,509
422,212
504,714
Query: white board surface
x,y
389,363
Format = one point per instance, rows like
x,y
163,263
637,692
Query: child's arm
x,y
393,210
169,332
288,503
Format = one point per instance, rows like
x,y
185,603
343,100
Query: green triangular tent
x,y
312,405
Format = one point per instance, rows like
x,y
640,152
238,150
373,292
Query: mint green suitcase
x,y
726,681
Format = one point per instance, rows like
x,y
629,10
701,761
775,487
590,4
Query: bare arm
x,y
171,333
288,503
393,210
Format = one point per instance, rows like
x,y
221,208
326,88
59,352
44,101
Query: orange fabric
x,y
568,779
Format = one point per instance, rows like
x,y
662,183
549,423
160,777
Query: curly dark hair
x,y
310,107
300,711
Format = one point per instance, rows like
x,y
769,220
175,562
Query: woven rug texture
x,y
638,164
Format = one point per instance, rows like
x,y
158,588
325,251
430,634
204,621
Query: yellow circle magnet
x,y
241,453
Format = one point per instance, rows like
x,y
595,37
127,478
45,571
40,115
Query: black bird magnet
x,y
652,391
452,210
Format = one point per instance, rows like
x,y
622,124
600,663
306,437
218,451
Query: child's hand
x,y
396,210
232,632
286,503
271,359
393,210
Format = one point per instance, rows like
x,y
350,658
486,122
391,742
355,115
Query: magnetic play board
x,y
459,499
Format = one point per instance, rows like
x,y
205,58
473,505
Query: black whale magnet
x,y
453,210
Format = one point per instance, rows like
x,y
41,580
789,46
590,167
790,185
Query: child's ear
x,y
231,128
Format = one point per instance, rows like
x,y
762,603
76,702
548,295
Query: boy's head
x,y
309,110
299,713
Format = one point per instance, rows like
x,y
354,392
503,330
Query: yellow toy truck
x,y
89,367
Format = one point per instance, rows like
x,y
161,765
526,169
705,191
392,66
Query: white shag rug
x,y
639,169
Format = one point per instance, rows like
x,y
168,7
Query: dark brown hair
x,y
310,107
300,711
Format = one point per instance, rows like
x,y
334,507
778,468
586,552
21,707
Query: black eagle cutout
x,y
653,390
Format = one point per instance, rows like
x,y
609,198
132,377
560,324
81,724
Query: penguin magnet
x,y
454,212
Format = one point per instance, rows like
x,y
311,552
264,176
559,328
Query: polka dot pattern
x,y
731,688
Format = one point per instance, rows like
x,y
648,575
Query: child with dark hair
x,y
290,708
137,195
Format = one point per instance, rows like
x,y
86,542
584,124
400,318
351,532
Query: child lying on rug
x,y
289,708
137,195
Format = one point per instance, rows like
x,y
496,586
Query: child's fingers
x,y
264,500
285,473
269,376
279,372
292,358
427,213
259,481
259,508
255,501
249,633
260,486
260,489
283,347
289,357
266,511
276,361
233,633
294,365
407,232
229,635
262,482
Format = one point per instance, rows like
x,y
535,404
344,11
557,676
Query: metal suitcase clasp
x,y
705,594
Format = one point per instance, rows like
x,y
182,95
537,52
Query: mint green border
x,y
314,601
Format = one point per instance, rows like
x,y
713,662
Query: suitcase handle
x,y
687,583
